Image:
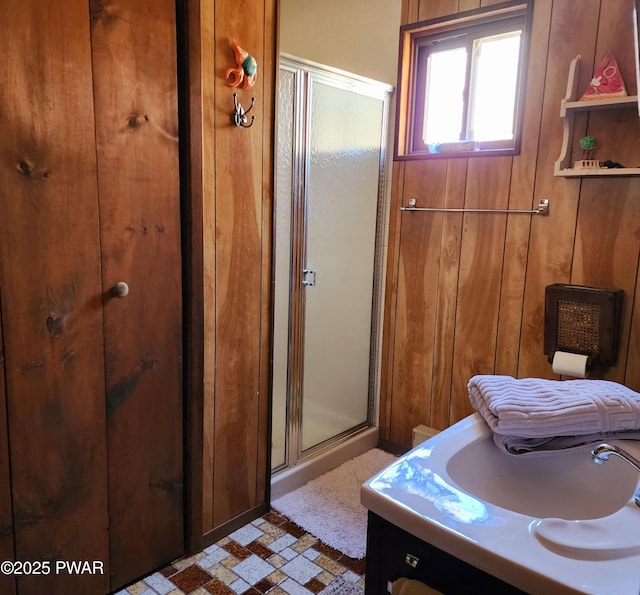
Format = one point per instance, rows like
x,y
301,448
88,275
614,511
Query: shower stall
x,y
330,178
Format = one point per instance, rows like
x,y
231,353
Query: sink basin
x,y
552,523
565,485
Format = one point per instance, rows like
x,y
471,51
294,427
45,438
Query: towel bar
x,y
543,209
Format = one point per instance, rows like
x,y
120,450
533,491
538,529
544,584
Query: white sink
x,y
566,485
599,539
536,522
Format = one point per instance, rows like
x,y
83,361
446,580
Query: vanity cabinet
x,y
393,553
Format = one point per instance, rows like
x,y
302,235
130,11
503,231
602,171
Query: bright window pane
x,y
494,88
444,103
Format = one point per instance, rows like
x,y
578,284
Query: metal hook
x,y
239,117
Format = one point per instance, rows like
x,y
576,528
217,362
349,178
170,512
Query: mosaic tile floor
x,y
270,555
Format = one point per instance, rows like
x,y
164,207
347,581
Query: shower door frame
x,y
305,72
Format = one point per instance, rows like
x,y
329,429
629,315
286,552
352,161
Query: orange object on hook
x,y
244,75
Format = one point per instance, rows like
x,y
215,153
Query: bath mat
x,y
339,586
329,507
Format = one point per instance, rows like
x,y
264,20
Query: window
x,y
461,83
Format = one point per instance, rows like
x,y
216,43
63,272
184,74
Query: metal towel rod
x,y
543,209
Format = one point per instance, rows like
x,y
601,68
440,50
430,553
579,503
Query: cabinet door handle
x,y
120,290
411,560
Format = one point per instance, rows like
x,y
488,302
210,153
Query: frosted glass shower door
x,y
344,131
329,173
283,214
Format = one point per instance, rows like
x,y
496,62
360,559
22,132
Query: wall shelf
x,y
568,108
598,104
572,172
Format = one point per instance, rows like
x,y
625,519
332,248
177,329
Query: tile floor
x,y
270,555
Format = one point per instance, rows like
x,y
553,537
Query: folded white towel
x,y
539,408
514,445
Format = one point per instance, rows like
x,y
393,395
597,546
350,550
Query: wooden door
x,y
7,581
51,291
135,89
89,197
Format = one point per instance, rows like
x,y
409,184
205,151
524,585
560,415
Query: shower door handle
x,y
308,277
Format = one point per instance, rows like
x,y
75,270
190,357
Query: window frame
x,y
416,38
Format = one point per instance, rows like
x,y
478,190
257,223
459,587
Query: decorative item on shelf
x,y
606,82
586,164
246,70
612,164
587,144
239,116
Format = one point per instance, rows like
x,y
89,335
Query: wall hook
x,y
239,117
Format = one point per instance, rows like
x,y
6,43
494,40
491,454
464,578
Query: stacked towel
x,y
531,414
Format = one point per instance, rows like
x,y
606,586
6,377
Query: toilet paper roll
x,y
571,364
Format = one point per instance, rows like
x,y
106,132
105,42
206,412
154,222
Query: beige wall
x,y
360,36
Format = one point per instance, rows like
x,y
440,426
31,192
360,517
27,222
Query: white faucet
x,y
601,455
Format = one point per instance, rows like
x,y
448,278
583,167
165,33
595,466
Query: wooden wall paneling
x,y
618,136
51,288
472,4
522,195
607,228
632,369
447,297
239,192
416,298
587,238
480,277
269,77
139,193
551,243
7,581
208,80
513,279
409,11
617,131
390,299
191,56
431,9
618,140
607,248
615,34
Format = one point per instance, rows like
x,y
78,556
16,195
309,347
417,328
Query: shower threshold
x,y
291,478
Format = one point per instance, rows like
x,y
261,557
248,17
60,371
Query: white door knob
x,y
120,289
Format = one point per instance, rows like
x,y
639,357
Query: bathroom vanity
x,y
393,553
462,516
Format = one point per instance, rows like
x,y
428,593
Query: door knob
x,y
120,290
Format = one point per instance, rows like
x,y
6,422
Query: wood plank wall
x,y
51,287
232,172
134,43
89,196
7,582
465,293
